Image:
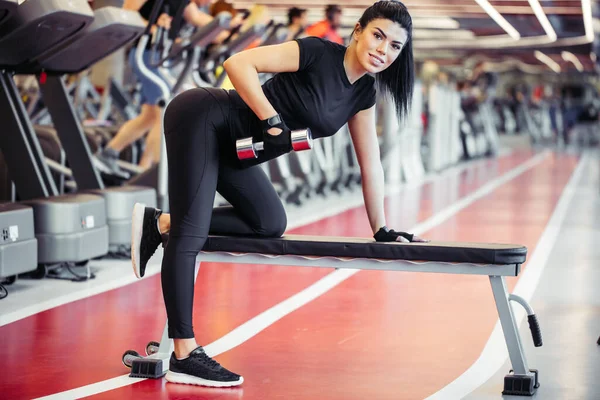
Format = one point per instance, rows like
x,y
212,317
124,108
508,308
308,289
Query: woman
x,y
319,84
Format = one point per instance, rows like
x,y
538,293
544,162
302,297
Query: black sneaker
x,y
106,161
200,369
145,236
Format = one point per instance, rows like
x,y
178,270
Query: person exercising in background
x,y
327,29
297,21
149,119
317,84
258,15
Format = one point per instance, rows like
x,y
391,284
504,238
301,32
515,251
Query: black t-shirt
x,y
168,6
319,95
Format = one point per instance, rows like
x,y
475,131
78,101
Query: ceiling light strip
x,y
568,56
500,42
541,16
586,8
495,15
553,65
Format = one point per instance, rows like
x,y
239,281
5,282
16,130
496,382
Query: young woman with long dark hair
x,y
317,84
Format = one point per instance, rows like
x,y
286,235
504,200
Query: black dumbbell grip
x,y
301,140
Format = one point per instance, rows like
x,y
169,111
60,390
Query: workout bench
x,y
494,260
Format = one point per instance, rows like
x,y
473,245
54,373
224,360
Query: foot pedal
x,y
147,368
521,385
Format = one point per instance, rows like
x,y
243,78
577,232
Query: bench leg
x,y
156,363
523,381
165,349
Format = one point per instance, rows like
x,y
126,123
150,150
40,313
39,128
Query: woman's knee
x,y
185,245
275,225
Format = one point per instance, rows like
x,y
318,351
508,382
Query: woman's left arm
x,y
366,146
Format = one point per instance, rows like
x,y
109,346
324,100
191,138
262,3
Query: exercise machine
x,y
69,228
111,29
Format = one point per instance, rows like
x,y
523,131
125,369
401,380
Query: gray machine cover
x,y
70,228
119,207
18,246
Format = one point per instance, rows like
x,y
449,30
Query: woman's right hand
x,y
274,131
276,134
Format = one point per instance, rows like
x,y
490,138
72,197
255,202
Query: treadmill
x,y
70,228
18,245
112,29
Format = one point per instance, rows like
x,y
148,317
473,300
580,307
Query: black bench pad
x,y
328,246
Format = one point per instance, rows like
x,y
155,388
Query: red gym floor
x,y
377,335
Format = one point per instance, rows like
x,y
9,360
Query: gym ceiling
x,y
537,36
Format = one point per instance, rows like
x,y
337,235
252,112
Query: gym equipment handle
x,y
536,332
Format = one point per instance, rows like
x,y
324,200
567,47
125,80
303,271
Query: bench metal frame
x,y
496,273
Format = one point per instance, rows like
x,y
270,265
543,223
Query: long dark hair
x,y
399,78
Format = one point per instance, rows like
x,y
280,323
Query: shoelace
x,y
206,360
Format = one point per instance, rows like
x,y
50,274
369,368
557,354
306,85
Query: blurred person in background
x,y
297,22
149,120
327,29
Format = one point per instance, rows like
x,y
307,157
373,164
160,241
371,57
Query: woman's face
x,y
379,44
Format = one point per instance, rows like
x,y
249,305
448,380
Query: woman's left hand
x,y
384,234
415,239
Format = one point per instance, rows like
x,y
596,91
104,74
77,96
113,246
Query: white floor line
x,y
232,339
495,353
338,203
77,291
297,217
255,325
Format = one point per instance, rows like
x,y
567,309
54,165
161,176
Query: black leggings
x,y
202,160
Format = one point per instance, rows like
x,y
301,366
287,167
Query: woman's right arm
x,y
243,69
134,5
193,15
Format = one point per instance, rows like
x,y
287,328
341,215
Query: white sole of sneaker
x,y
176,377
137,225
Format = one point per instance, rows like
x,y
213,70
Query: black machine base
x,y
521,385
147,368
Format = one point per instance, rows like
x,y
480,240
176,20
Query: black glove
x,y
385,234
278,144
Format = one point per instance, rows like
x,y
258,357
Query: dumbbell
x,y
301,140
